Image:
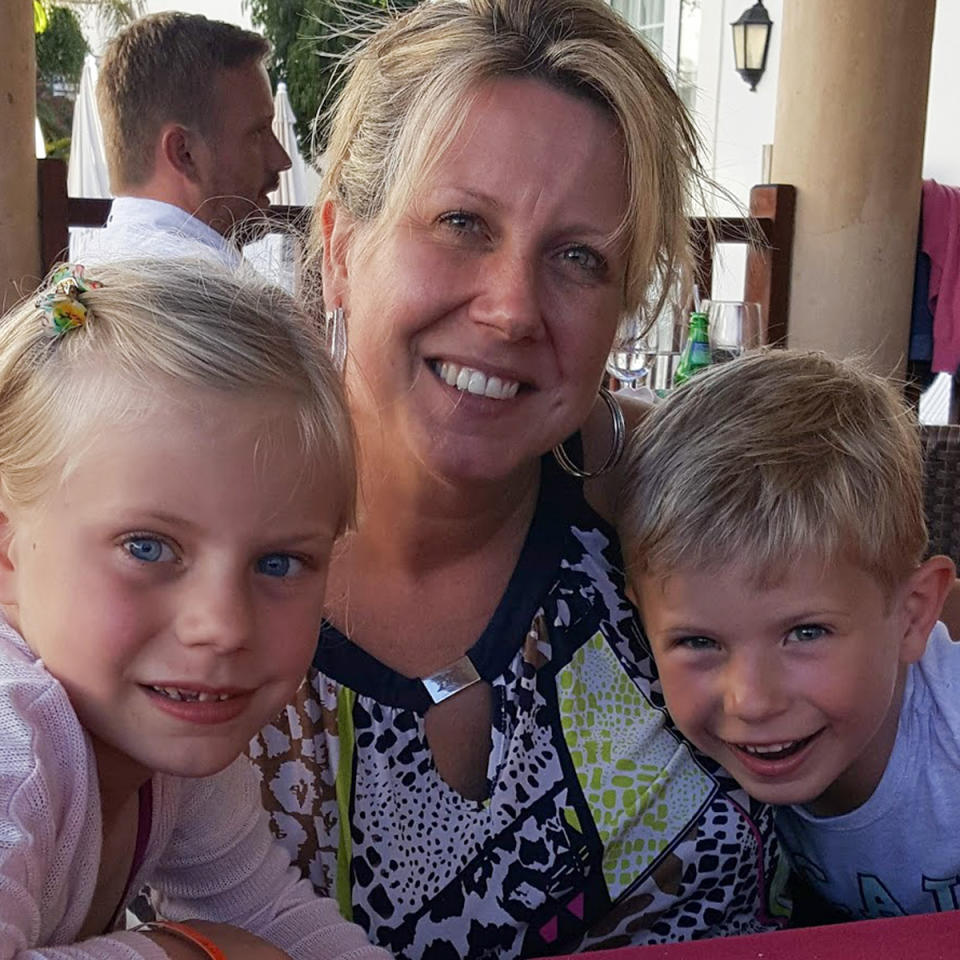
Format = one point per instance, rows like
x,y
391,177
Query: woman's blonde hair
x,y
775,457
410,83
152,327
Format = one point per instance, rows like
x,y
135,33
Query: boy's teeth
x,y
473,381
769,747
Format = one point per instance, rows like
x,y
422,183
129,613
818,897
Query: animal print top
x,y
601,827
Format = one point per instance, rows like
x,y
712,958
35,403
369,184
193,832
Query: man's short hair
x,y
160,70
780,455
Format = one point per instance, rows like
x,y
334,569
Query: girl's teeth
x,y
190,695
468,380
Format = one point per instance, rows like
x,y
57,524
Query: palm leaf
x,y
39,17
112,14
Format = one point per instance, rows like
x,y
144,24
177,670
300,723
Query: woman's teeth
x,y
473,381
174,693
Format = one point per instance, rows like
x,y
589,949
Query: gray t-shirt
x,y
899,852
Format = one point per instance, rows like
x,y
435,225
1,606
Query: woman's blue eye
x,y
460,221
585,258
278,565
148,549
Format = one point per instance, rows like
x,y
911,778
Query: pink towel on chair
x,y
941,242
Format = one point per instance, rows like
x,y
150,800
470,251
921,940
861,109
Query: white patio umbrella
x,y
40,146
275,255
87,170
298,185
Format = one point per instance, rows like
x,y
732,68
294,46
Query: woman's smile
x,y
470,380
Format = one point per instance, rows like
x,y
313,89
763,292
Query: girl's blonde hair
x,y
410,84
150,327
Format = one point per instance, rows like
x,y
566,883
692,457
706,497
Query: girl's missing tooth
x,y
175,463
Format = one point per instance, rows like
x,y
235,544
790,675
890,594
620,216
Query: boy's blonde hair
x,y
159,70
152,328
411,83
775,456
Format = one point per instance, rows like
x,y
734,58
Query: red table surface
x,y
934,936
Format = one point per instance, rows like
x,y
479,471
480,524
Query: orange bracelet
x,y
184,932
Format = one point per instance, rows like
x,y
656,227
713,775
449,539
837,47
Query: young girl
x,y
175,464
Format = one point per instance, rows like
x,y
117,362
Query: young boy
x,y
774,532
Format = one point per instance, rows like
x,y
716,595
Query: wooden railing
x,y
768,234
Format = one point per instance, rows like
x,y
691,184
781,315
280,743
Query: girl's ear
x,y
7,559
336,228
922,600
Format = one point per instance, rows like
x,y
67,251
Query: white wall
x,y
735,121
941,154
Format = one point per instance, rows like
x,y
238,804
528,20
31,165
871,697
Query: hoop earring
x,y
616,451
336,337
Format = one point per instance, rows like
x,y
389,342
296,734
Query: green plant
x,y
309,38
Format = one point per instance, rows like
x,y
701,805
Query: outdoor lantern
x,y
751,37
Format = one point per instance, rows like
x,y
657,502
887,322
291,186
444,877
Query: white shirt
x,y
138,227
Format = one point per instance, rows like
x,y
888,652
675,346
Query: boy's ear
x,y
922,600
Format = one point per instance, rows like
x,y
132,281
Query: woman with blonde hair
x,y
480,764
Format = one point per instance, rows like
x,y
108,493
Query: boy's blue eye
x,y
807,632
148,549
278,565
697,643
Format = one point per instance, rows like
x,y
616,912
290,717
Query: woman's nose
x,y
509,299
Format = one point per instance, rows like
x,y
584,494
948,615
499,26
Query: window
x,y
672,28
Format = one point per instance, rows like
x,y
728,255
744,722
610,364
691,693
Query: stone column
x,y
19,228
851,107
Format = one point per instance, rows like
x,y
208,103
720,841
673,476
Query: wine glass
x,y
734,327
631,351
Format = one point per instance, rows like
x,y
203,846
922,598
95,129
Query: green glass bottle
x,y
696,351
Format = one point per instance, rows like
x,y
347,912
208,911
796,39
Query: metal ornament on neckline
x,y
451,680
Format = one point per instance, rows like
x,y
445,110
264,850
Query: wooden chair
x,y
941,488
768,232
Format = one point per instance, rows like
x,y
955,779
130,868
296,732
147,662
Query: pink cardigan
x,y
210,854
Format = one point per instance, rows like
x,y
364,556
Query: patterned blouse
x,y
601,827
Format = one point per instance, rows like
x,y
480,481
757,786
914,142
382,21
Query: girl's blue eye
x,y
148,549
278,565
